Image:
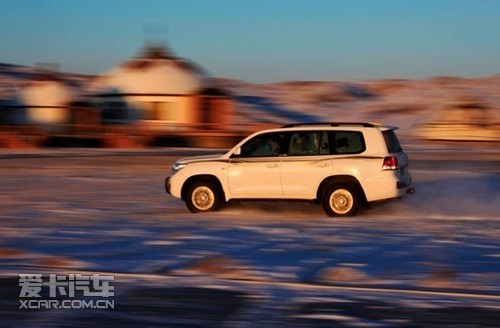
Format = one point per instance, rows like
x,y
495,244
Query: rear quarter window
x,y
348,142
391,141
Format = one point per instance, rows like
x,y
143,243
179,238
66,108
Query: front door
x,y
255,173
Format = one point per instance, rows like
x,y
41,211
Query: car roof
x,y
334,126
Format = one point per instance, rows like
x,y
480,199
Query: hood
x,y
203,158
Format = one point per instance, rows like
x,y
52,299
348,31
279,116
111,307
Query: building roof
x,y
156,71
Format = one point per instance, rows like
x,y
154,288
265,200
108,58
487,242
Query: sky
x,y
261,41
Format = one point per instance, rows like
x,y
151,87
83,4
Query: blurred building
x,y
42,100
155,95
163,92
463,120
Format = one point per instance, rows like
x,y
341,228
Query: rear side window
x,y
309,143
392,142
348,142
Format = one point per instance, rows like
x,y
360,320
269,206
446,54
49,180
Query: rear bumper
x,y
386,185
403,184
403,188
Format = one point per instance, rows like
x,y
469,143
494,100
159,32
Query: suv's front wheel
x,y
341,200
203,196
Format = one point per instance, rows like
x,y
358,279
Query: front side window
x,y
263,145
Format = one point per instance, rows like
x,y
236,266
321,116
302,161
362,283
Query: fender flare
x,y
202,177
339,179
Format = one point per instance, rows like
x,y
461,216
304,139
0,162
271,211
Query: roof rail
x,y
363,124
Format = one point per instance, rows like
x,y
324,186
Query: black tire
x,y
203,196
341,200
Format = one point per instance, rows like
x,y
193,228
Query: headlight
x,y
177,167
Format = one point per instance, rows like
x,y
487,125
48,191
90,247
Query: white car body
x,y
301,177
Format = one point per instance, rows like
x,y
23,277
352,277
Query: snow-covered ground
x,y
426,260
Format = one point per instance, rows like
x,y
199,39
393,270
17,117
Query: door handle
x,y
323,164
272,166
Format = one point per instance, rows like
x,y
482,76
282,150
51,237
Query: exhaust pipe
x,y
410,191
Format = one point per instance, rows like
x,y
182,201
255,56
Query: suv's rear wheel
x,y
203,196
341,200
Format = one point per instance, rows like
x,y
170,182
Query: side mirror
x,y
237,152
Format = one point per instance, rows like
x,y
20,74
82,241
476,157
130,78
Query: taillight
x,y
390,163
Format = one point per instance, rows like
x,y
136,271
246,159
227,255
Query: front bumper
x,y
167,185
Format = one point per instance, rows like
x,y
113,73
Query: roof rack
x,y
363,124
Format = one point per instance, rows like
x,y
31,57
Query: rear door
x,y
305,163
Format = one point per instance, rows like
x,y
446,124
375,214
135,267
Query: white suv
x,y
340,165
